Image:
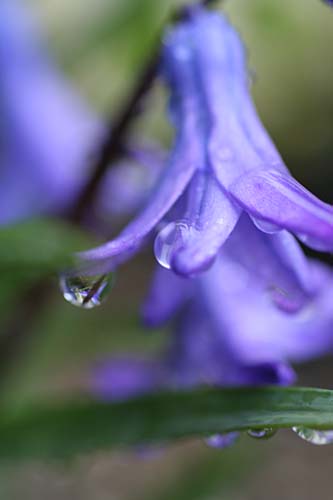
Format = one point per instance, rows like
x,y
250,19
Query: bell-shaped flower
x,y
224,184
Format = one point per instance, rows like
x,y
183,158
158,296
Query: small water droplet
x,y
264,433
314,436
221,440
171,239
266,227
86,291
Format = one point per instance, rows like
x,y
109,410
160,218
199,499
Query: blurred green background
x,y
100,45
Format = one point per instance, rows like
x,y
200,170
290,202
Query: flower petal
x,y
174,179
129,182
258,332
124,377
168,292
275,262
279,199
214,217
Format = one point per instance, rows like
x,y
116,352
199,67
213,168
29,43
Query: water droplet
x,y
264,433
266,227
221,440
314,436
86,291
171,239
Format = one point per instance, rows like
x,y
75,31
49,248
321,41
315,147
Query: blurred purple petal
x,y
221,441
49,133
167,294
125,377
129,182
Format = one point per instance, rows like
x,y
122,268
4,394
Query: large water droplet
x,y
221,440
266,227
171,239
86,291
264,433
314,436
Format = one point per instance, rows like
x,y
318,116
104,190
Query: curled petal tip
x,y
278,199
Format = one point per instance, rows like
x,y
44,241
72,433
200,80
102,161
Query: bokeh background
x,y
100,45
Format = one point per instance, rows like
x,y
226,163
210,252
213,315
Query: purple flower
x,y
225,331
47,131
222,167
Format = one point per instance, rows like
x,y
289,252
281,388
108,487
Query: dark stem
x,y
113,146
94,289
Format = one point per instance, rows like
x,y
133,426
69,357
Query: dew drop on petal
x,y
314,436
171,239
86,292
265,227
221,440
264,433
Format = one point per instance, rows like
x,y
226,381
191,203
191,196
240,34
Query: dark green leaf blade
x,y
65,429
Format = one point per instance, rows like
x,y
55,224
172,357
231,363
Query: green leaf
x,y
39,246
65,429
127,25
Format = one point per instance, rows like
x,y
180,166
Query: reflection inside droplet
x,y
314,436
86,291
264,433
171,239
